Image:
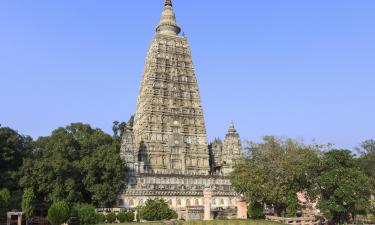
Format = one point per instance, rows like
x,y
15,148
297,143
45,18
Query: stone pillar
x,y
242,209
20,219
207,203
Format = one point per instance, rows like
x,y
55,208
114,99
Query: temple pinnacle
x,y
232,129
168,24
168,2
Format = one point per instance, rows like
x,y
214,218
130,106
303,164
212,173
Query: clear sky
x,y
292,68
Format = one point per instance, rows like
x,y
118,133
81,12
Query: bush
x,y
125,217
58,213
84,214
111,217
168,215
255,210
130,216
100,218
156,210
121,217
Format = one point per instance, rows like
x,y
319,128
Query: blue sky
x,y
292,68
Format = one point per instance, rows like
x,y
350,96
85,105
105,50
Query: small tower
x,y
232,150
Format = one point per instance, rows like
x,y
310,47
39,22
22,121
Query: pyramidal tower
x,y
166,150
169,127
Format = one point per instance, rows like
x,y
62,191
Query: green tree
x,y
28,204
274,169
367,160
367,147
343,188
4,202
156,210
103,178
58,213
367,164
118,128
76,164
14,148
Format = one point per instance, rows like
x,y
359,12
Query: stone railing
x,y
295,220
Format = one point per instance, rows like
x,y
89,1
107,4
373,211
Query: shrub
x,y
111,217
156,210
100,218
85,214
4,202
58,213
255,210
129,216
125,217
122,217
168,215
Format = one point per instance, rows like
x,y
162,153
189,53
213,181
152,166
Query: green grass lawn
x,y
233,222
214,222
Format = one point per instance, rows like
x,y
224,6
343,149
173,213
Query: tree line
x,y
275,170
75,164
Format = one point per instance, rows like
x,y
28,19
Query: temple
x,y
166,150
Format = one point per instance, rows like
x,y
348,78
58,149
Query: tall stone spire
x,y
169,128
168,24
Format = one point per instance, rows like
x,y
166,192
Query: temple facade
x,y
166,150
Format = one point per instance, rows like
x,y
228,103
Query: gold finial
x,y
168,2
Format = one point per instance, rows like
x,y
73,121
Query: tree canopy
x,y
343,188
14,148
277,169
76,164
367,147
274,169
